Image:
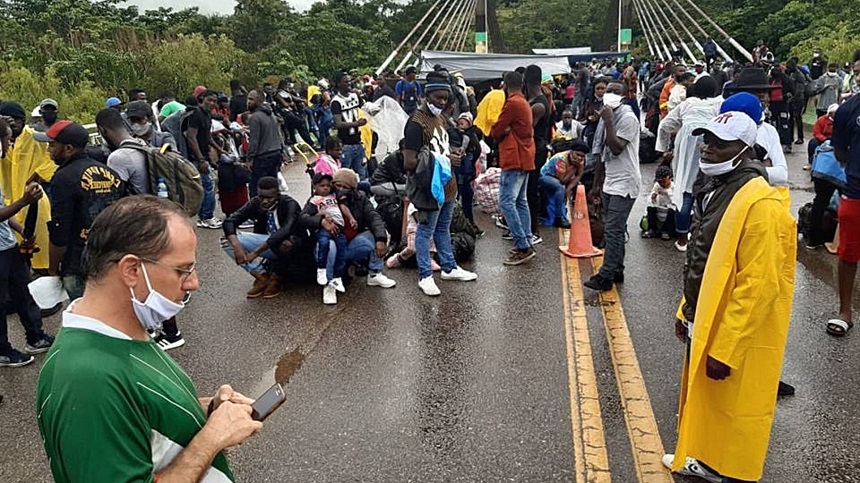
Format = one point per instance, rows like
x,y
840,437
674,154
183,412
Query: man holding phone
x,y
107,389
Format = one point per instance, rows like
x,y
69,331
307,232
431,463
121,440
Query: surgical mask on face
x,y
141,129
50,117
436,111
157,308
612,100
718,169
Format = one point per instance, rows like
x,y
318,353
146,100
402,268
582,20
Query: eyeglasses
x,y
184,273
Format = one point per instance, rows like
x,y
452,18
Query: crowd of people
x,y
396,167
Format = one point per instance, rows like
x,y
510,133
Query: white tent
x,y
567,51
479,67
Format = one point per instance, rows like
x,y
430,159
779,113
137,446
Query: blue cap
x,y
113,102
746,103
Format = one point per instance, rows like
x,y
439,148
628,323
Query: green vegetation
x,y
80,52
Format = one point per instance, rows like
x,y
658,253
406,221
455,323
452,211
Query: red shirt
x,y
823,128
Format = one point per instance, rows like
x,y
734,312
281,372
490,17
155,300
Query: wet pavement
x,y
475,385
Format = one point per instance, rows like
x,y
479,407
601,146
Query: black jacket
x,y
287,210
362,210
80,189
264,133
391,170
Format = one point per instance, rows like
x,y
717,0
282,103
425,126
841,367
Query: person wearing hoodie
x,y
827,88
264,147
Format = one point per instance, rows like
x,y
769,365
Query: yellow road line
x,y
590,457
642,428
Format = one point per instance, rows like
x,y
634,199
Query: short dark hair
x,y
110,119
618,83
208,93
235,84
267,183
331,142
533,75
133,92
513,80
135,225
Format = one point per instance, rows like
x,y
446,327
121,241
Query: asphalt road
x,y
478,385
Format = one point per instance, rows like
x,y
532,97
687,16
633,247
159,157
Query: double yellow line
x,y
589,443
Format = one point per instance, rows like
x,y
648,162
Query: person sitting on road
x,y
329,161
821,131
106,388
398,259
558,178
367,239
277,236
736,310
389,178
661,208
326,203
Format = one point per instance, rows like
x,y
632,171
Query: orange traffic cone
x,y
579,243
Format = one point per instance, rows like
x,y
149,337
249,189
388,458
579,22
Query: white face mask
x,y
157,308
718,169
141,129
612,100
436,111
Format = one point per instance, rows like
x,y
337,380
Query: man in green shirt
x,y
112,406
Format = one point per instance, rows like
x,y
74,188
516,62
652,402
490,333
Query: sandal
x,y
838,327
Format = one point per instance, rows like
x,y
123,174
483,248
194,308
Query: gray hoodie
x,y
264,136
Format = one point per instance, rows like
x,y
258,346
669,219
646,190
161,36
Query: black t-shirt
x,y
80,189
347,106
413,139
541,133
202,121
238,105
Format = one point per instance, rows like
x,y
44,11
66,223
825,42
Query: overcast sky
x,y
206,6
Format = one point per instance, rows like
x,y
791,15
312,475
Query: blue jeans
x,y
250,242
352,157
617,210
207,209
515,206
324,239
553,192
684,216
438,227
267,165
359,250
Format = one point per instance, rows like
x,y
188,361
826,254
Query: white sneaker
x,y
536,240
680,248
692,468
428,286
338,285
212,223
322,277
380,280
459,274
330,295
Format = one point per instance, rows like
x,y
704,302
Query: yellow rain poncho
x,y
742,319
25,158
489,110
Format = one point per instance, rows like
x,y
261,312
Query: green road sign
x,y
625,35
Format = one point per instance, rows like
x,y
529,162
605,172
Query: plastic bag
x,y
48,292
388,120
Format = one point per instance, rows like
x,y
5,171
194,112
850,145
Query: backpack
x,y
181,177
175,124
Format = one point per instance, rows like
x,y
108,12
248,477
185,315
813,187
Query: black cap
x,y
138,109
65,132
12,109
321,176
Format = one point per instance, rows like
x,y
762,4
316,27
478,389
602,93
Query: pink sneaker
x,y
434,266
393,261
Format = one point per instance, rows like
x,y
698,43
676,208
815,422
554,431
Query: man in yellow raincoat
x,y
738,289
489,110
25,159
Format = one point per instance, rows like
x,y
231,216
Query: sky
x,y
207,6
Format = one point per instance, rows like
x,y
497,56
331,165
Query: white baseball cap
x,y
731,126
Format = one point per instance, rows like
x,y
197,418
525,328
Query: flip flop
x,y
838,327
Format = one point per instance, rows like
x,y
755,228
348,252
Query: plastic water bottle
x,y
162,188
